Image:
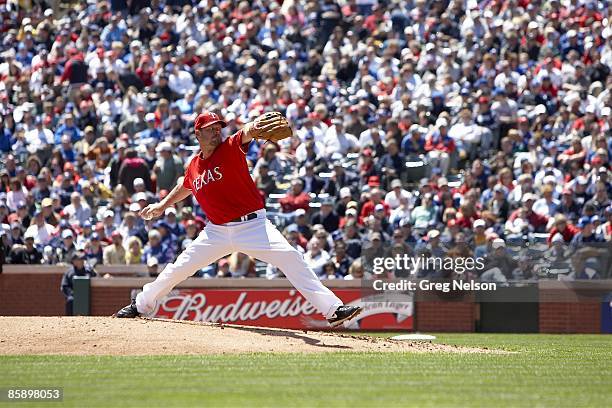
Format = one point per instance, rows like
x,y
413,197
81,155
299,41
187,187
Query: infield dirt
x,y
110,336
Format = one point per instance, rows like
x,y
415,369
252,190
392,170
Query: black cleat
x,y
128,312
343,314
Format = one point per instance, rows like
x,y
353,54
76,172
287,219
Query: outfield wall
x,y
557,307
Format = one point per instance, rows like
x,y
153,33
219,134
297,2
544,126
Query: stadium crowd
x,y
426,127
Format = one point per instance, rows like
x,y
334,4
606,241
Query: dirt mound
x,y
109,336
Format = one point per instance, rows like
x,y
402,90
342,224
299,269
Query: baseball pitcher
x,y
219,178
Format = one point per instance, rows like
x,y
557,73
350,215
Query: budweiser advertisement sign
x,y
281,308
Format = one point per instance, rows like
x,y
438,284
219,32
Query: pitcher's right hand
x,y
152,211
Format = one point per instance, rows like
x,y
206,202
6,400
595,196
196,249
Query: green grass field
x,y
547,370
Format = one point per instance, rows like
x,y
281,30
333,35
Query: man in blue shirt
x,y
151,131
413,143
68,128
66,149
155,248
586,235
113,32
24,56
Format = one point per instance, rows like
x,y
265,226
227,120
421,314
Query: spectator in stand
x,y
547,205
316,257
26,253
174,227
499,265
326,216
392,164
561,226
264,181
296,198
191,232
600,199
396,194
340,179
302,224
413,144
341,260
537,221
40,229
132,168
241,265
77,211
499,204
94,249
67,247
372,249
16,195
424,215
133,255
440,146
168,167
370,206
356,271
154,248
311,181
330,272
336,140
153,267
586,235
69,129
114,254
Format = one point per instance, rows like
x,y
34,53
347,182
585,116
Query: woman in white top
x,y
316,257
17,194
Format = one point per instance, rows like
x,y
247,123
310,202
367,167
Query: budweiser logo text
x,y
193,306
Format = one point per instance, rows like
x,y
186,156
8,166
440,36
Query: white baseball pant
x,y
258,238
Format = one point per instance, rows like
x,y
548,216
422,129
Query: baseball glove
x,y
269,126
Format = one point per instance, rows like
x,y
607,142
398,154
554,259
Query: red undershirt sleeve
x,y
187,181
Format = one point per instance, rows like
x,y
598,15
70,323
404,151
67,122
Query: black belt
x,y
247,217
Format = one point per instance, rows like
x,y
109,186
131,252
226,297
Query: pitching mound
x,y
109,336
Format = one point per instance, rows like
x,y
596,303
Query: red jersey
x,y
567,234
369,207
222,184
290,202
